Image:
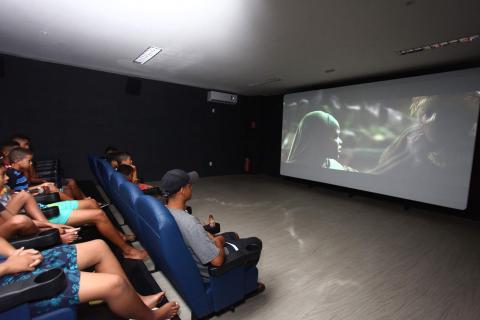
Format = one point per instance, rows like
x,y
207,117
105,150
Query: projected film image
x,y
417,147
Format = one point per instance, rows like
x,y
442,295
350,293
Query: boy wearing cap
x,y
205,248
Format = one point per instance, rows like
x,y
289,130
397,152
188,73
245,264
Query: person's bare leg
x,y
18,224
66,195
88,204
120,297
68,192
106,228
76,191
92,204
25,200
97,253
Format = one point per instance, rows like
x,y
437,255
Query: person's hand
x,y
219,239
22,260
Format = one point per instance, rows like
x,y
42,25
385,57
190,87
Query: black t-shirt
x,y
2,208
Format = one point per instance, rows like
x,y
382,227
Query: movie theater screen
x,y
411,138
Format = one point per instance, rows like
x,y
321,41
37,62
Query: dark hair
x,y
111,156
110,149
9,145
125,169
18,154
20,137
120,156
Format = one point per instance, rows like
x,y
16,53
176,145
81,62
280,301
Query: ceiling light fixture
x,y
439,45
147,55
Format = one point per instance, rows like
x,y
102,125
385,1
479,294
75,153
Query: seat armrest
x,y
232,261
45,285
48,198
51,212
44,240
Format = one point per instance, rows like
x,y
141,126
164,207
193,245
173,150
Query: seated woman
x,y
108,282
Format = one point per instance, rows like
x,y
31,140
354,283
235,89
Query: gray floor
x,y
327,256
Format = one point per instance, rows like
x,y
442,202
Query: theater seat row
x,y
158,233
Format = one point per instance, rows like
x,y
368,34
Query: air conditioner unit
x,y
222,97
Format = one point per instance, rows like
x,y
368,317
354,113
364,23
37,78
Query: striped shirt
x,y
17,181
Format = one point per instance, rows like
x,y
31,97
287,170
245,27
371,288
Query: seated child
x,y
126,158
128,171
12,223
69,186
72,212
5,150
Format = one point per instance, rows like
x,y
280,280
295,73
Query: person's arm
x,y
220,259
207,248
135,176
32,176
21,260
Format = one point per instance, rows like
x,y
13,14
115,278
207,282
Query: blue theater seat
x,y
22,312
129,194
227,286
158,233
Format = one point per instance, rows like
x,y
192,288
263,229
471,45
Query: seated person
x,y
5,150
205,248
21,161
126,158
76,213
108,282
12,223
129,171
69,186
112,159
109,150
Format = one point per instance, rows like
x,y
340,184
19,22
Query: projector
x,y
222,97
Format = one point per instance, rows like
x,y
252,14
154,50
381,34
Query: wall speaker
x,y
221,97
133,86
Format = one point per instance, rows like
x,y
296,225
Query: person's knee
x,y
20,222
72,184
99,215
116,285
100,246
91,203
23,196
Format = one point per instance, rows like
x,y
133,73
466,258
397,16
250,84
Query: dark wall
x,y
70,112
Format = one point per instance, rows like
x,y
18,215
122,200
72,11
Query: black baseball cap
x,y
175,179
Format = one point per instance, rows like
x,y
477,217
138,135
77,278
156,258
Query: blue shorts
x,y
65,207
63,257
